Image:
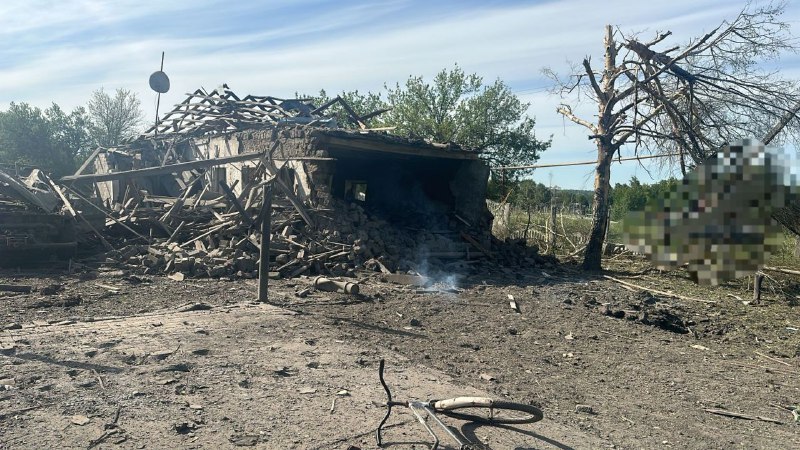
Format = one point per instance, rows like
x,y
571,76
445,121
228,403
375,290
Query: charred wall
x,y
418,191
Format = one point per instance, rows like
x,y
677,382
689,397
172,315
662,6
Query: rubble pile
x,y
201,238
32,228
215,236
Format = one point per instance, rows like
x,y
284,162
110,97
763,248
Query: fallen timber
x,y
179,167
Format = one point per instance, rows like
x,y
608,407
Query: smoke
x,y
439,278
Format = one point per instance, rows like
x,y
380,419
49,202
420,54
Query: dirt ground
x,y
109,359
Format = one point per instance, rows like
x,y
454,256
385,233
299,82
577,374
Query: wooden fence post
x,y
797,246
266,230
552,243
507,218
759,279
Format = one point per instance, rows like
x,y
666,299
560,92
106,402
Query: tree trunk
x,y
605,151
602,185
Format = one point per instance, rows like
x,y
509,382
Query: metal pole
x,y
266,225
158,101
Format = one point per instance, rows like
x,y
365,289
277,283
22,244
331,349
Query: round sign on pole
x,y
159,82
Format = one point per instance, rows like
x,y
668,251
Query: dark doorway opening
x,y
410,190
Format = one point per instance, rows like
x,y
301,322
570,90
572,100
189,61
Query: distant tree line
x,y
624,197
58,142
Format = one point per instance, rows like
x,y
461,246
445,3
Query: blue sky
x,y
60,51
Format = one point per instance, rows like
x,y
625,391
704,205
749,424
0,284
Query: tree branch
x,y
590,73
566,111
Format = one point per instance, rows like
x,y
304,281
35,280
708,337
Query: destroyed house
x,y
231,143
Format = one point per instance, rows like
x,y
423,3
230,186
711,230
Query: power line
x,y
583,163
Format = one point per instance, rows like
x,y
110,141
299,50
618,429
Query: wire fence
x,y
555,229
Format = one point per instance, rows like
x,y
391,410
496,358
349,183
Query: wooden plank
x,y
23,192
782,270
355,117
272,171
23,288
88,161
235,202
175,233
172,168
476,244
207,233
178,204
61,195
75,214
180,167
375,113
107,215
654,291
724,412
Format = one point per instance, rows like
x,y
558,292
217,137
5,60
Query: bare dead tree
x,y
687,99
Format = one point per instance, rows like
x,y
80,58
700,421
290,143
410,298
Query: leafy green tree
x,y
460,108
71,132
51,139
114,119
455,107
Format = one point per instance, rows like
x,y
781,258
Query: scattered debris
x,y
326,284
770,358
194,307
487,377
402,278
177,276
184,427
64,302
14,413
586,409
724,412
284,372
244,440
51,289
654,291
106,434
79,420
180,367
25,289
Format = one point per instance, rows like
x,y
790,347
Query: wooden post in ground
x,y
797,246
266,225
507,219
759,279
552,243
